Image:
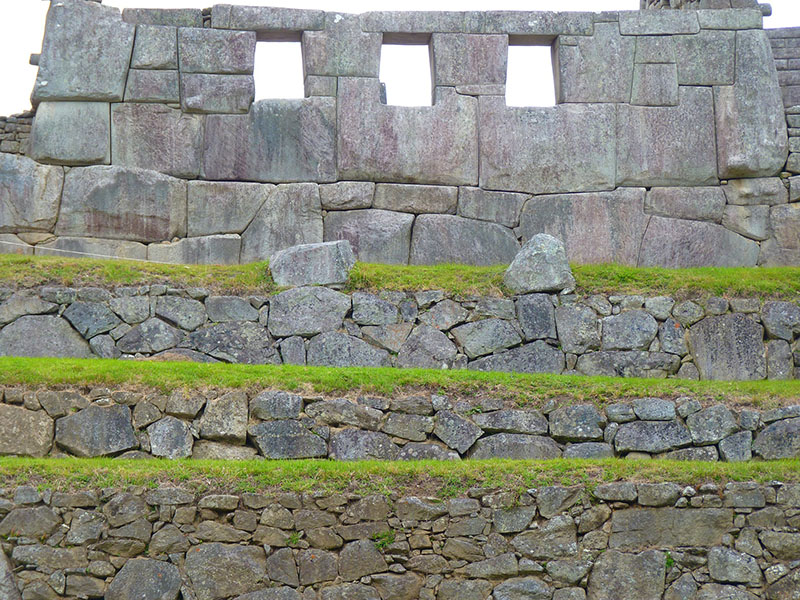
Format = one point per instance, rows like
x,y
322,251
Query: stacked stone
x,y
619,541
698,4
640,94
232,425
15,132
786,51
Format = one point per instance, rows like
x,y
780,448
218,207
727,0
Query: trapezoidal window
x,y
406,73
530,80
278,70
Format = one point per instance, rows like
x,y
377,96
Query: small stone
x,y
540,266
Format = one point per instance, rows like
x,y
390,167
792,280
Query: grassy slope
x,y
525,389
442,479
28,271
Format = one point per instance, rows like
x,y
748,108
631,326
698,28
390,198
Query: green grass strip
x,y
437,478
777,282
532,390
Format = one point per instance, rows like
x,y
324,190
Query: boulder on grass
x,y
541,266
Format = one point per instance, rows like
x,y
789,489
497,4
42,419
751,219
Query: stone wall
x,y
171,160
240,425
628,336
15,132
619,541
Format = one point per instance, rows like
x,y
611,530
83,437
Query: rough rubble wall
x,y
665,147
619,541
237,425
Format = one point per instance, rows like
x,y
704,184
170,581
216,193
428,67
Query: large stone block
x,y
662,146
156,137
96,431
628,363
347,195
121,203
376,236
418,199
406,144
71,133
783,248
540,266
216,51
30,194
74,247
335,349
76,65
599,68
221,249
655,85
225,570
327,263
536,357
502,208
599,227
172,17
650,22
618,576
693,203
451,239
341,49
277,141
669,527
291,215
566,148
728,347
209,93
25,432
758,190
152,86
751,126
41,335
307,311
707,58
460,59
156,47
223,207
677,243
266,18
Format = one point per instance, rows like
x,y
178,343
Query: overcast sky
x,y
21,35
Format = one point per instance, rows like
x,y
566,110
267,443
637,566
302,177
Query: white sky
x,y
22,28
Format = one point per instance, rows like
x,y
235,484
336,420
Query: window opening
x,y
406,74
530,80
278,70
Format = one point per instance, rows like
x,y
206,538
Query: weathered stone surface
x,y
536,315
512,421
619,576
426,348
641,160
216,51
360,558
242,147
153,335
589,450
417,199
695,203
406,144
316,566
779,440
376,236
545,150
555,538
90,318
172,17
206,250
706,58
630,330
781,319
369,309
263,18
452,239
578,423
237,342
536,357
24,432
444,315
500,207
21,304
783,247
74,68
290,215
96,431
678,243
12,244
152,86
398,587
185,313
307,311
606,51
523,587
71,133
651,436
354,444
327,263
669,527
749,221
30,194
223,207
485,336
227,309
540,266
225,419
409,427
728,565
728,347
121,203
515,446
628,363
223,570
220,94
335,349
75,247
577,327
756,191
40,335
145,579
751,133
658,23
156,137
287,439
594,227
342,49
271,405
347,195
711,425
456,431
156,47
783,545
468,59
34,523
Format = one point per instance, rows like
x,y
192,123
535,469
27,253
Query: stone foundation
x,y
618,541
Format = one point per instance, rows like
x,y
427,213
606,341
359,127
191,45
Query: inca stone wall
x,y
667,145
619,541
631,336
239,425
